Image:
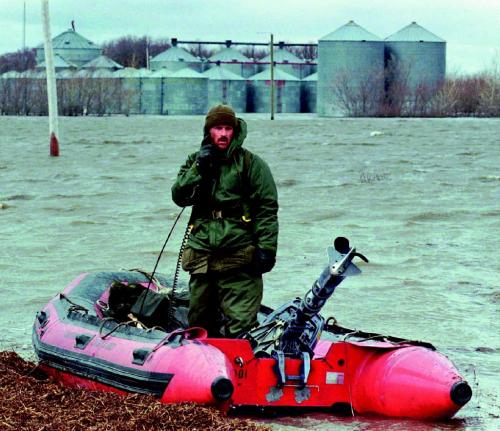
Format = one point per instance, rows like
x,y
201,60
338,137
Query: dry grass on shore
x,y
29,401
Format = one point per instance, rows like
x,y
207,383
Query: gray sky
x,y
470,27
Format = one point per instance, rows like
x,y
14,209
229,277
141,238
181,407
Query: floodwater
x,y
419,197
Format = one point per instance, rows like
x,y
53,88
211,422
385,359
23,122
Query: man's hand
x,y
263,260
207,159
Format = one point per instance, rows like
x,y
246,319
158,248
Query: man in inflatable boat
x,y
234,226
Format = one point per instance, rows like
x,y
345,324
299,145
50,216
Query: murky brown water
x,y
420,198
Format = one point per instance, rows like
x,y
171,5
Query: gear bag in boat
x,y
130,301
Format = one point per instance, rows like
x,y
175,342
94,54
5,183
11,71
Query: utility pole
x,y
51,81
272,76
24,26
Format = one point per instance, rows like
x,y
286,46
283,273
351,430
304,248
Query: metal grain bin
x,y
129,95
175,58
72,47
287,62
416,57
226,87
350,72
233,60
286,93
308,93
185,93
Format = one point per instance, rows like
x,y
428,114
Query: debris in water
x,y
31,401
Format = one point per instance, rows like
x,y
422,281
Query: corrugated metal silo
x,y
226,87
350,71
233,60
286,92
185,93
175,58
309,93
129,97
287,62
72,47
417,56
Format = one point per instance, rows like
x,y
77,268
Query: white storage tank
x,y
185,93
350,67
286,61
226,87
417,56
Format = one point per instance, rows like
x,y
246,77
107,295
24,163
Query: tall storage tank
x,y
286,92
175,58
308,93
226,87
162,75
350,71
417,56
129,97
150,87
233,60
185,93
72,47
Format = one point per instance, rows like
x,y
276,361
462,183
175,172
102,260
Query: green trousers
x,y
237,294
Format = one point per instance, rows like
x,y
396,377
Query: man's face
x,y
221,136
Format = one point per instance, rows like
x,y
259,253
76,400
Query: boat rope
x,y
74,306
159,256
132,322
185,238
150,277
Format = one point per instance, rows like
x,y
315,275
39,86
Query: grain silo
x,y
175,58
350,72
308,93
185,93
226,87
286,61
233,60
286,92
162,75
72,47
129,96
416,57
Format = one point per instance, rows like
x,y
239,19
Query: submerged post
x,y
51,81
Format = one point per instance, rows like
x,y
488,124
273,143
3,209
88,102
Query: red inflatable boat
x,y
77,344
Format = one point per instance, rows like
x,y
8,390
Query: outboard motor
x,y
294,328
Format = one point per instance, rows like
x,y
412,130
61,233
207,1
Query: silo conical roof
x,y
222,74
279,75
59,63
187,73
413,33
102,62
283,56
351,32
229,54
176,54
71,39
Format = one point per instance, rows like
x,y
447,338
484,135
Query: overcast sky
x,y
470,27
